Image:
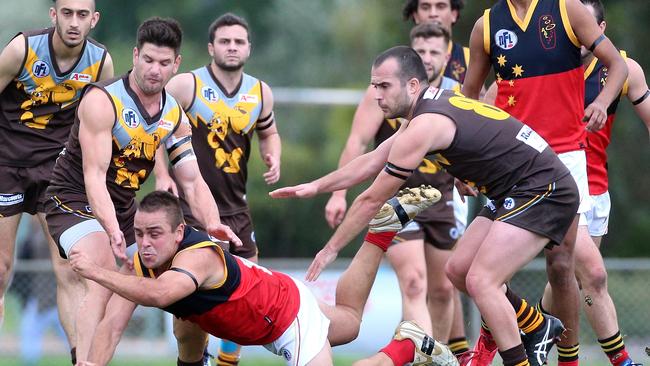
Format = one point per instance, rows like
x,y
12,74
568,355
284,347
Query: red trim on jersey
x,y
259,311
597,143
552,105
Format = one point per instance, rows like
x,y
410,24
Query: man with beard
x,y
120,126
226,107
426,290
42,73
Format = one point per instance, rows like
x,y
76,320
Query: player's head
x,y
430,41
159,228
73,20
447,12
229,44
596,9
156,56
397,75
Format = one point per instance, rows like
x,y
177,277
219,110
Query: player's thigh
x,y
436,260
466,248
407,259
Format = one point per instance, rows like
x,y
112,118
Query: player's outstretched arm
x,y
270,144
353,173
96,118
638,92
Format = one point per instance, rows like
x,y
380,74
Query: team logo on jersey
x,y
602,78
248,98
286,354
547,31
505,39
8,199
454,233
508,203
130,117
209,94
83,78
40,69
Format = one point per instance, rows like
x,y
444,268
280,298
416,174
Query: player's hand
x,y
305,190
81,264
335,210
595,116
323,259
167,184
464,189
273,174
118,244
223,232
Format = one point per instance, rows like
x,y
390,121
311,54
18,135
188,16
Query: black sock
x,y
73,355
515,356
195,363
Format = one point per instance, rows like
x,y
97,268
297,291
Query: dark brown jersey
x,y
491,150
135,137
222,128
37,108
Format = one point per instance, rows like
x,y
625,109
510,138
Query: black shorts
x,y
240,223
548,211
70,215
23,189
437,229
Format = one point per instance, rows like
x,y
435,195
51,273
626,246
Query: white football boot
x,y
428,352
402,208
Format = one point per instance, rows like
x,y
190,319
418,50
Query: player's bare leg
x,y
8,228
411,269
440,292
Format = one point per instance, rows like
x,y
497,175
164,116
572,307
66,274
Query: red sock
x,y
400,352
382,240
567,363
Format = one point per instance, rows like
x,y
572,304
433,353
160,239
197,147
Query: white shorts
x,y
306,336
598,216
461,209
576,162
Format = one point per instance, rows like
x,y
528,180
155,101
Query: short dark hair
x,y
160,32
411,6
227,20
162,200
429,30
410,63
598,8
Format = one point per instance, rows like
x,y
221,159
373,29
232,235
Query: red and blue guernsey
x,y
251,306
538,70
597,142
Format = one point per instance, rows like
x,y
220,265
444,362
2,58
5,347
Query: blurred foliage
x,y
331,43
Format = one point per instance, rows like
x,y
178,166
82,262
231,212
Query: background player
x,y
42,73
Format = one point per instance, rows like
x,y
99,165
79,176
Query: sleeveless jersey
x,y
428,172
251,306
597,142
457,64
538,69
222,129
136,136
38,106
491,150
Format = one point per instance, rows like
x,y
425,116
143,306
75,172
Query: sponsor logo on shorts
x,y
248,98
83,78
505,39
508,203
286,354
454,233
9,199
209,94
130,117
40,69
88,209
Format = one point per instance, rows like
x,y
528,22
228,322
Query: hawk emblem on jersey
x,y
505,39
602,78
144,145
547,32
63,94
457,70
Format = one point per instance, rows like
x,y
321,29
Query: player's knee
x,y
561,272
188,335
414,283
596,279
441,291
456,275
478,284
6,266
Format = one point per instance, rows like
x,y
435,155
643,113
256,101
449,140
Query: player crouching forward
x,y
183,271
